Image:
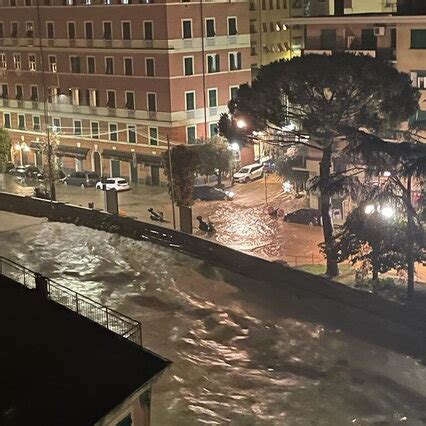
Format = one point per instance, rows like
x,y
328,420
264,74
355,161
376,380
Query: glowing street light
x,y
386,174
387,212
241,124
235,147
370,209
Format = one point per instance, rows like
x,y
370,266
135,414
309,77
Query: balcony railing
x,y
118,323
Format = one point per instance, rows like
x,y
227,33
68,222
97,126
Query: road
x,y
241,223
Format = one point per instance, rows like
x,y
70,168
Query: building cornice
x,y
356,19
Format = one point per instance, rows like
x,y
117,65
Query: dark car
x,y
26,172
269,166
310,217
83,179
210,193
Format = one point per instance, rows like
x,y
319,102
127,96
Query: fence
x,y
302,260
82,305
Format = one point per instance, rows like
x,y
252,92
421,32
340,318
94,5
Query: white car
x,y
248,173
119,184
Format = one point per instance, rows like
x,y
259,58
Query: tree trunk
x,y
325,206
410,243
219,177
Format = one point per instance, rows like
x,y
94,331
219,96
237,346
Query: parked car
x,y
119,184
248,173
310,217
209,193
269,166
82,179
26,172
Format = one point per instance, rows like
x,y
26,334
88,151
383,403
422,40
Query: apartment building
x,y
396,37
119,78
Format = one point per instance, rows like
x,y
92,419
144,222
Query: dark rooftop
x,y
58,368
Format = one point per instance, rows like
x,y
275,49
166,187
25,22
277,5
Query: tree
x,y
404,163
326,97
215,158
374,239
285,163
185,161
5,144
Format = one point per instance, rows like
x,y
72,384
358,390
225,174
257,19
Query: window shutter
x,y
239,60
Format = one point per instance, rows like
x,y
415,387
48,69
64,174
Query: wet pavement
x,y
245,352
241,223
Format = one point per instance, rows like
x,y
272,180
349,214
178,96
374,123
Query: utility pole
x,y
50,156
172,188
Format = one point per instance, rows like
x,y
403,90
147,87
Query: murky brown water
x,y
244,352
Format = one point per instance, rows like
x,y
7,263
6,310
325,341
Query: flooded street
x,y
244,352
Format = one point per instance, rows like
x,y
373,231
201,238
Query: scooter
x,y
157,216
205,226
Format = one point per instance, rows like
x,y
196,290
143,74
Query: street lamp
x,y
241,124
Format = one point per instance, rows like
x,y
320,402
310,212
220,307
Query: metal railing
x,y
114,321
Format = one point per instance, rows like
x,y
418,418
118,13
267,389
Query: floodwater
x,y
244,352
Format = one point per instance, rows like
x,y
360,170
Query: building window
x,y
19,92
130,100
4,91
94,128
264,27
152,102
14,29
52,63
36,123
1,30
153,136
212,98
34,94
148,30
50,30
235,61
88,30
150,67
6,120
186,28
29,29
93,97
75,96
213,63
271,4
131,133
21,121
110,99
75,66
126,30
112,129
191,134
12,2
189,101
17,61
77,127
71,30
107,30
263,4
127,421
210,27
32,64
328,39
3,62
128,66
271,27
56,125
109,65
418,39
232,26
91,69
188,65
213,129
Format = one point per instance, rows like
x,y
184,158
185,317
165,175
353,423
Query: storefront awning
x,y
64,150
146,159
71,151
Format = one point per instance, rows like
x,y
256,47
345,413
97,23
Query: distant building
x,y
119,77
59,368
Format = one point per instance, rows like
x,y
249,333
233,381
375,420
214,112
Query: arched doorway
x,y
97,163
